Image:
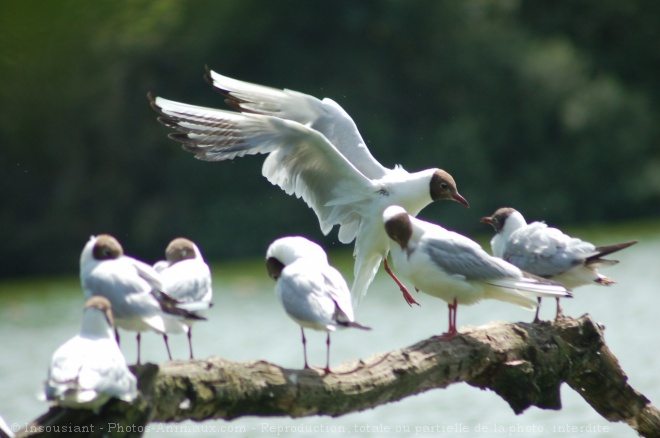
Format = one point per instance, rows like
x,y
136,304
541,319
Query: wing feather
x,y
301,160
324,116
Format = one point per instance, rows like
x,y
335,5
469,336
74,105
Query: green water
x,y
247,323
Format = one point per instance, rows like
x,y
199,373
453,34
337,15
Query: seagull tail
x,y
174,307
533,285
365,271
601,251
353,324
512,296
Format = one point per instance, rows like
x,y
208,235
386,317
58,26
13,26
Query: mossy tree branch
x,y
525,364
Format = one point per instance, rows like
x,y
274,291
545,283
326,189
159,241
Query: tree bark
x,y
524,363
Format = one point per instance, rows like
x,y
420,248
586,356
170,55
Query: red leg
x,y
406,295
453,307
304,341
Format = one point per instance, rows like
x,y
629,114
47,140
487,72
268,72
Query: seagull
x,y
315,152
186,278
313,293
89,369
452,267
134,289
548,252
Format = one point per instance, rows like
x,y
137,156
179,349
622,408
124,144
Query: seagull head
x,y
102,304
499,218
181,249
286,250
106,247
443,187
398,225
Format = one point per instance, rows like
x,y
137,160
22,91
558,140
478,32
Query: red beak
x,y
461,199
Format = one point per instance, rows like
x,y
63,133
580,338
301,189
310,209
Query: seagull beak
x,y
462,200
486,220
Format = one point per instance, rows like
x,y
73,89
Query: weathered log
x,y
524,363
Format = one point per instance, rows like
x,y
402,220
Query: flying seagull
x,y
315,152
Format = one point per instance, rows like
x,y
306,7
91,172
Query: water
x,y
247,323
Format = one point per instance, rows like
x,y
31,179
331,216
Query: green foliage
x,y
548,107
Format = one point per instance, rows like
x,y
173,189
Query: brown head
x,y
398,225
101,303
498,218
179,249
107,247
274,267
443,187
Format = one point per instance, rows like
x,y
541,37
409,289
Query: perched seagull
x,y
187,279
313,293
89,368
315,152
452,267
549,253
134,289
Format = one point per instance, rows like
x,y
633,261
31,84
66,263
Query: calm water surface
x,y
247,323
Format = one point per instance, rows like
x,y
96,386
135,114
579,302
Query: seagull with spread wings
x,y
315,152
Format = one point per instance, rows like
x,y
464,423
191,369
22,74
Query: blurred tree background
x,y
549,107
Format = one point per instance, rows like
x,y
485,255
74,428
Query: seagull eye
x,y
444,185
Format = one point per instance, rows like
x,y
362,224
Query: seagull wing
x,y
325,116
301,290
457,255
300,160
106,372
65,368
146,273
337,289
189,282
545,251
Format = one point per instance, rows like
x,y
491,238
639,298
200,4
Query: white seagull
x,y
187,278
548,252
313,293
89,369
134,289
315,152
452,267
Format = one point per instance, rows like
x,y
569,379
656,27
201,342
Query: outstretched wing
x,y
325,116
301,160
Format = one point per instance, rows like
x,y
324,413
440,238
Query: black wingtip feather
x,y
604,250
169,306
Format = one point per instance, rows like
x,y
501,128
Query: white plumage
x,y
134,289
314,152
186,278
452,267
313,293
89,369
548,252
